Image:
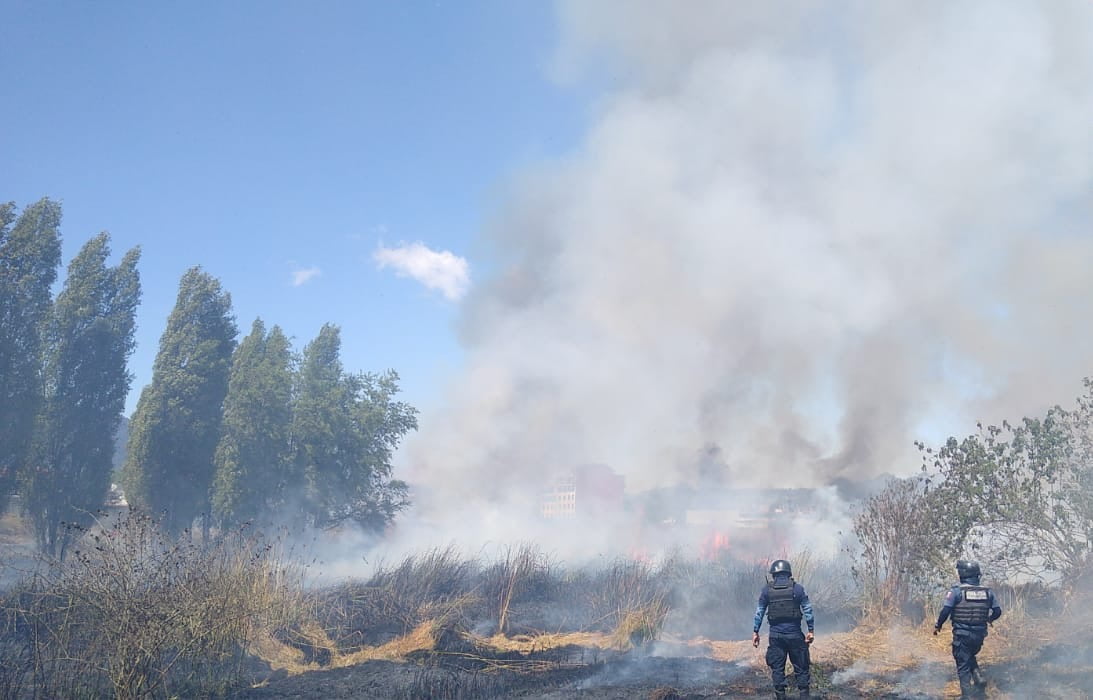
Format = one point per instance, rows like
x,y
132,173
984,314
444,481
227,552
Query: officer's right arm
x,y
760,611
946,609
996,609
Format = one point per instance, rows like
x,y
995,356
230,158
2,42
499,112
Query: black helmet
x,y
966,569
780,566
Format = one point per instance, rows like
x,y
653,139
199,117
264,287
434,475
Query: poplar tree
x,y
30,252
176,426
253,460
88,339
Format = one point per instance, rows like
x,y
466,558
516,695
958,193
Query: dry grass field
x,y
134,615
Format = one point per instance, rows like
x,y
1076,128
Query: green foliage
x,y
176,426
30,252
243,432
345,430
88,340
253,458
1017,495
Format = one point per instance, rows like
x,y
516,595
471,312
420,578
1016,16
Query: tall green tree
x,y
345,430
176,426
30,252
253,458
88,340
371,497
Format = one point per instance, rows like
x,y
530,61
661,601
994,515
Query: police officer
x,y
971,607
785,604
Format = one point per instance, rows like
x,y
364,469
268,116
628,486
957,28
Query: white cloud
x,y
303,275
441,270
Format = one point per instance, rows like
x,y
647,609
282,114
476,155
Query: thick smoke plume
x,y
798,236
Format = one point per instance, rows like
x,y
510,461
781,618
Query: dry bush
x,y
900,551
436,586
442,587
134,613
637,626
522,590
523,574
422,586
629,599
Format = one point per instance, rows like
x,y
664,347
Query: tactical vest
x,y
780,604
973,607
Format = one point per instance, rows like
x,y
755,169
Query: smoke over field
x,y
801,234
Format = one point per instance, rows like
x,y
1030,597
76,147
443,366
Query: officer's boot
x,y
979,681
967,689
779,694
803,693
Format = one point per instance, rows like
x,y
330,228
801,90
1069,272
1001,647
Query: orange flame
x,y
715,544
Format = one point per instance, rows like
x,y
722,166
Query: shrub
x,y
135,613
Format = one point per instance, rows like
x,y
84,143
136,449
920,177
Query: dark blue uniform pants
x,y
965,647
793,646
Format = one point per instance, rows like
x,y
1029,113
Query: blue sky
x,y
267,141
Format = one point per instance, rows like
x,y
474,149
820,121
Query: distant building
x,y
586,490
560,499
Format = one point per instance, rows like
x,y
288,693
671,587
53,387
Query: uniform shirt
x,y
799,597
953,597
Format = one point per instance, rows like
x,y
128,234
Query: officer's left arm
x,y
996,609
806,609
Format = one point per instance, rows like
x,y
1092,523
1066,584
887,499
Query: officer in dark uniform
x,y
785,604
971,607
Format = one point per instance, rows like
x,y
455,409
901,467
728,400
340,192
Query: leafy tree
x,y
88,341
1018,495
345,431
30,252
253,459
370,497
176,426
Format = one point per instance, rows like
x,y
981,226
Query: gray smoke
x,y
805,234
